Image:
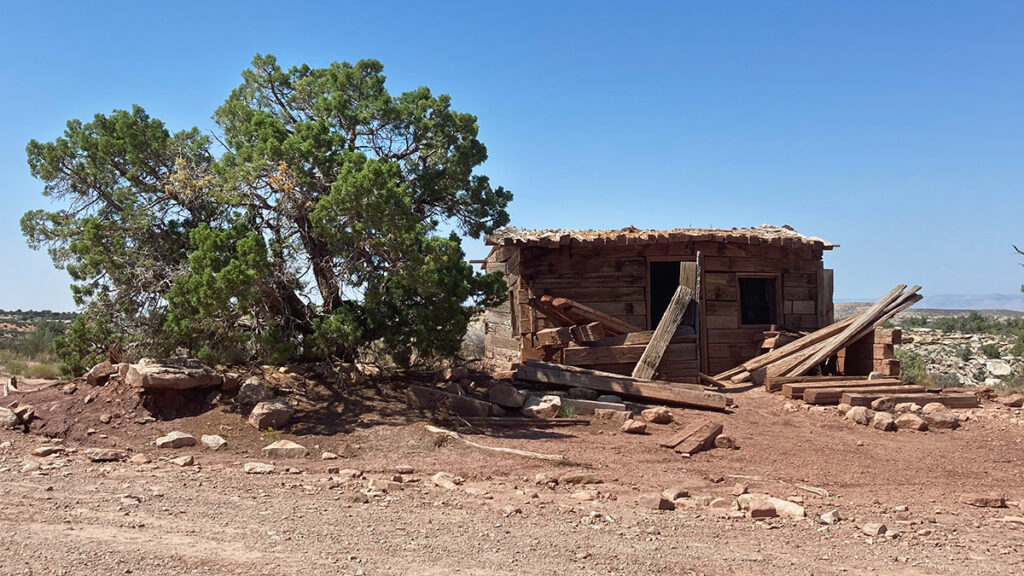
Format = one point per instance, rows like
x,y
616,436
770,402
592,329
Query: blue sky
x,y
893,129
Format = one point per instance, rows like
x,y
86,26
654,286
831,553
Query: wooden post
x,y
651,357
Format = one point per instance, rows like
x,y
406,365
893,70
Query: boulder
x,y
788,509
873,529
656,501
941,420
676,493
726,442
171,375
883,404
8,419
932,407
100,373
183,461
657,415
213,442
615,416
104,454
273,414
906,407
258,468
883,421
284,449
175,440
505,395
761,507
252,392
446,480
998,368
859,414
47,450
634,426
545,407
1012,401
911,421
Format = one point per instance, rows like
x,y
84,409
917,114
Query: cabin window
x,y
758,301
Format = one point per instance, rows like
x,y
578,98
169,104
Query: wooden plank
x,y
684,433
587,355
683,334
834,395
582,314
825,306
796,390
434,400
702,439
553,314
588,333
760,265
553,337
961,400
651,357
833,344
700,319
720,287
512,421
631,387
775,383
616,377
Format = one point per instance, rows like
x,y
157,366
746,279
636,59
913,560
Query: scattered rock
x,y
830,517
998,368
984,500
104,454
676,493
252,392
657,415
355,498
884,404
329,456
284,449
932,407
739,489
941,420
454,373
911,421
580,478
140,459
271,414
8,419
69,388
883,421
726,442
258,468
584,495
453,388
609,398
183,460
545,407
149,374
100,373
175,440
634,426
349,473
907,407
760,507
44,451
505,395
213,442
105,418
1012,401
656,502
615,416
404,469
788,509
873,529
843,408
859,414
446,480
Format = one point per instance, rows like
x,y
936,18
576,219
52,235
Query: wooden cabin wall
x,y
613,279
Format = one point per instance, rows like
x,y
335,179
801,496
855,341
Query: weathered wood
x,y
512,421
701,439
647,390
834,395
588,355
774,384
684,433
588,406
655,349
553,337
582,314
684,334
588,333
552,313
796,391
620,378
710,381
863,398
833,344
434,400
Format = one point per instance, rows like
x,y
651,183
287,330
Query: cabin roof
x,y
765,234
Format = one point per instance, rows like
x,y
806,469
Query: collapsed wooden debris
x,y
556,458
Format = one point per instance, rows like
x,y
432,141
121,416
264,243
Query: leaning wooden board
x,y
948,400
835,395
661,392
796,390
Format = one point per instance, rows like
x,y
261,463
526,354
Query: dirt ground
x,y
62,514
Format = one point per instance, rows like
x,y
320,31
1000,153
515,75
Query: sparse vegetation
x,y
990,350
30,350
943,380
914,322
964,353
566,411
912,367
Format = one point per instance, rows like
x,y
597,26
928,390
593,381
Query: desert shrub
x,y
943,380
1018,346
915,322
964,353
912,367
990,350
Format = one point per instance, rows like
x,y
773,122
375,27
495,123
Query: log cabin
x,y
747,281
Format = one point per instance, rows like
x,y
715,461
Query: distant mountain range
x,y
1014,302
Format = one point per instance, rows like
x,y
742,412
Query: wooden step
x,y
796,390
835,395
864,398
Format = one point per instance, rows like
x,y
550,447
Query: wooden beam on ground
x,y
581,314
651,357
794,346
961,400
646,390
556,458
513,421
774,384
434,400
694,438
610,375
796,390
835,395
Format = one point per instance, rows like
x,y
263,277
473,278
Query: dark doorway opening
x,y
758,303
664,279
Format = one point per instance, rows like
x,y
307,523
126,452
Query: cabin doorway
x,y
662,281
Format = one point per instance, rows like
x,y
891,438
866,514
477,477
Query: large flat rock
x,y
172,375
